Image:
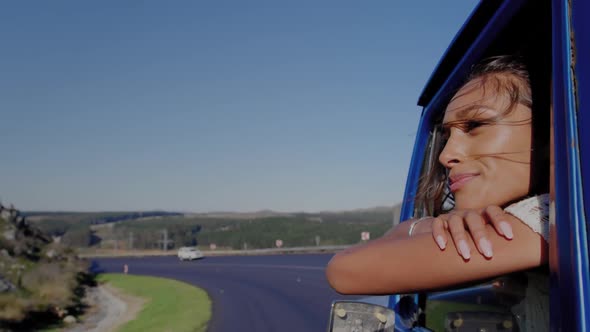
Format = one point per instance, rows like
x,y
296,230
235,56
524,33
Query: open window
x,y
515,302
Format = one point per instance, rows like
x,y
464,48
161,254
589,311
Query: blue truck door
x,y
571,113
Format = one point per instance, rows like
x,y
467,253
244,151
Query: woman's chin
x,y
474,203
469,206
464,201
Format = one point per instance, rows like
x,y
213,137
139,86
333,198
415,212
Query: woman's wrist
x,y
401,231
415,225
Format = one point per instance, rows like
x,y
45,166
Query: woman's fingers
x,y
438,232
476,225
457,230
470,223
496,216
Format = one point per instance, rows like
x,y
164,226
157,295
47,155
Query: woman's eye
x,y
444,134
471,125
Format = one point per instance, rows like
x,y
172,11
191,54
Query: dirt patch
x,y
110,308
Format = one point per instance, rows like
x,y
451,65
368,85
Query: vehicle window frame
x,y
426,134
569,247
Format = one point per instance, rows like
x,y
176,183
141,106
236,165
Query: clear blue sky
x,y
214,105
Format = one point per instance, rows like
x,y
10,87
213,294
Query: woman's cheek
x,y
511,182
476,195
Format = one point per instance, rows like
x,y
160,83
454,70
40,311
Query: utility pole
x,y
165,241
130,240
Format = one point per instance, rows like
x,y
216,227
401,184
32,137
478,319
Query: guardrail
x,y
267,251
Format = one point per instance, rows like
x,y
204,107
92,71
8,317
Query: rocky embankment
x,y
42,282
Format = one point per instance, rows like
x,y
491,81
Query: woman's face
x,y
488,151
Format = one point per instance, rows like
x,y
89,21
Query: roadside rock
x,y
5,285
9,234
69,319
50,253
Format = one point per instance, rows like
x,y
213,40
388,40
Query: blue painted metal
x,y
569,247
487,13
569,282
581,25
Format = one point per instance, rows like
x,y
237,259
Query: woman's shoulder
x,y
534,212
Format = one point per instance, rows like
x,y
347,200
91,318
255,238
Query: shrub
x,y
12,307
49,284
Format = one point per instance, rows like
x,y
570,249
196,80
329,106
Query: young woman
x,y
498,223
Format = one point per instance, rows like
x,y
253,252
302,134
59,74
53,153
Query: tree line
x,y
169,231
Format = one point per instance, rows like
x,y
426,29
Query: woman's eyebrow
x,y
467,110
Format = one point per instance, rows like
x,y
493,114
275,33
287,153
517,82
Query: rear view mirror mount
x,y
354,316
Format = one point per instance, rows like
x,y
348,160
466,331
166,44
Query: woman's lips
x,y
458,181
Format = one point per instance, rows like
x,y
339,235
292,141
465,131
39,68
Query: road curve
x,y
249,293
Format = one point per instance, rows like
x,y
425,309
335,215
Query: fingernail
x,y
441,242
506,229
486,247
464,249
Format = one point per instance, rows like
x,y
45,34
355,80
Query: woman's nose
x,y
451,153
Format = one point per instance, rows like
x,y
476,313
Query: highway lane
x,y
250,293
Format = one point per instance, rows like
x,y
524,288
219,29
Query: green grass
x,y
171,305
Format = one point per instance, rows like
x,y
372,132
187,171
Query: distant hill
x,y
93,218
240,215
258,229
100,217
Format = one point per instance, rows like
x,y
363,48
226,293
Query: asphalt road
x,y
250,293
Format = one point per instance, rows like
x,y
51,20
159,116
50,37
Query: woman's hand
x,y
463,223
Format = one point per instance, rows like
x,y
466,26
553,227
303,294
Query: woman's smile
x,y
456,182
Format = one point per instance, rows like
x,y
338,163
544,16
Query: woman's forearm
x,y
392,265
